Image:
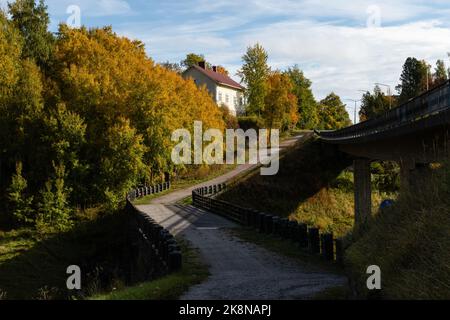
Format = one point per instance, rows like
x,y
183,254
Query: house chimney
x,y
202,64
215,68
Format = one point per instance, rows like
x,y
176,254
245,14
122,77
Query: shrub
x,y
250,122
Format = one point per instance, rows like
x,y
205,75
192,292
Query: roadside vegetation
x,y
33,265
410,242
169,287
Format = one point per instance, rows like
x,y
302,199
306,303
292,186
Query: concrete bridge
x,y
414,134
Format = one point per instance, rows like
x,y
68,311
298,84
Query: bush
x,y
251,122
20,204
231,121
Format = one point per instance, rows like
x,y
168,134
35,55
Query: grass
x,y
313,186
301,187
410,242
33,266
190,180
170,287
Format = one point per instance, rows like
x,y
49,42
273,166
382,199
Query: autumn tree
x,y
92,125
254,74
222,70
107,79
332,113
307,105
280,110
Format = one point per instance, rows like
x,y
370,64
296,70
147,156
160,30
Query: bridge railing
x,y
429,103
153,244
307,237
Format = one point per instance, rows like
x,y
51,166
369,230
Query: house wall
x,y
200,79
234,101
218,93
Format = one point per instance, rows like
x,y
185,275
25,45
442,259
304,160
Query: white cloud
x,y
327,39
338,58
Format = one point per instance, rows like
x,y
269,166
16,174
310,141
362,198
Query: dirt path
x,y
238,270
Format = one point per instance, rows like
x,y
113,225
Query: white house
x,y
223,89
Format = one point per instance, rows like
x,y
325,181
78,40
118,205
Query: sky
x,y
342,46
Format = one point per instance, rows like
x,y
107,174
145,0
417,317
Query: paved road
x,y
238,270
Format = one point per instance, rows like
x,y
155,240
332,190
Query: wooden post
x,y
314,240
339,252
327,246
303,235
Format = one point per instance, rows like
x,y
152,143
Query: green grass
x,y
189,180
302,189
170,287
410,242
312,186
33,266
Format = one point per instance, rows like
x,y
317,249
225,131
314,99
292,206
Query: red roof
x,y
219,78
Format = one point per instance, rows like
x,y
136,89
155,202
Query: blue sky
x,y
342,46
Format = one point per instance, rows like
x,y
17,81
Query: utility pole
x,y
354,115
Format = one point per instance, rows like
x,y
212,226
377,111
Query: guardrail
x,y
429,103
155,247
309,238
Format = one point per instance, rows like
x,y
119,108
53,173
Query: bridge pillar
x,y
412,175
363,191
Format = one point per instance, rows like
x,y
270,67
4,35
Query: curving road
x,y
238,270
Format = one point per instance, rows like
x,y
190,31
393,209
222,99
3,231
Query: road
x,y
238,270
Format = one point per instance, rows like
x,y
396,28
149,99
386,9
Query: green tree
x,y
254,74
20,204
332,113
32,20
54,212
440,73
175,67
307,105
122,163
193,59
413,80
374,104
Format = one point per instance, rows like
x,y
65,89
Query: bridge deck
x,y
425,112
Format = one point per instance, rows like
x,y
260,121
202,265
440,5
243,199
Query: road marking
x,y
207,228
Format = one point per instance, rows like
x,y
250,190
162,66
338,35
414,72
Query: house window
x,y
227,98
220,96
235,101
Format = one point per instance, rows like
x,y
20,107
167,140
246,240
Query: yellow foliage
x,y
103,77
